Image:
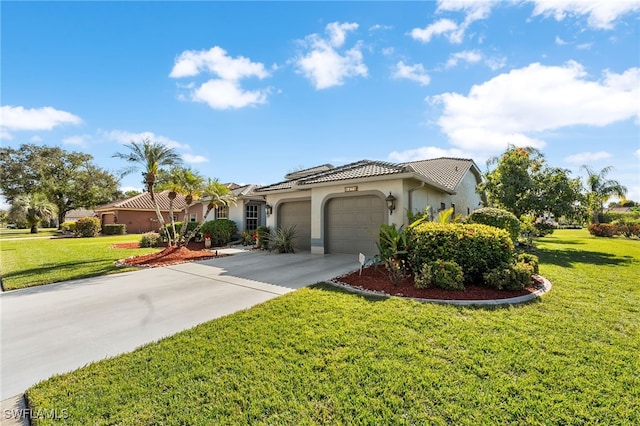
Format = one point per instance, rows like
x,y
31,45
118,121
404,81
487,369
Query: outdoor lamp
x,y
268,209
391,203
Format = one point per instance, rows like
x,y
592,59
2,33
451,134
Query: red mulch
x,y
168,256
376,279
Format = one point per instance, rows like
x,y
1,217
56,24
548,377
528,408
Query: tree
x,y
32,208
219,195
599,189
4,216
152,157
522,183
68,179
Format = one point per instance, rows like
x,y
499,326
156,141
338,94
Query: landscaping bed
x,y
169,256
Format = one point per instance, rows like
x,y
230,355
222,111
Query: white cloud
x,y
513,107
425,153
45,118
411,72
35,139
225,91
78,140
560,42
189,158
124,137
443,26
388,51
587,157
584,46
377,27
226,94
637,153
324,65
469,56
600,14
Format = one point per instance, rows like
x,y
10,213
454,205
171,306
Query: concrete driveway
x,y
57,328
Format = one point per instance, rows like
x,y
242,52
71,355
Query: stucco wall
x,y
139,222
466,198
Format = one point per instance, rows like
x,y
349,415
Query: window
x,y
175,217
251,217
442,207
193,217
222,212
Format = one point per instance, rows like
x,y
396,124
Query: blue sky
x,y
248,91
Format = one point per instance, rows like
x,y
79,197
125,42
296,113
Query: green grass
x,y
27,263
26,233
323,356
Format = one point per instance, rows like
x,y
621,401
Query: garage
x,y
298,214
352,224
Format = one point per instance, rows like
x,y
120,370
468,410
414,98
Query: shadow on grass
x,y
569,257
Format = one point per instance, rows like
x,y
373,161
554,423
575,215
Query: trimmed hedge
x,y
88,227
440,274
114,229
150,239
498,218
510,278
68,227
611,229
221,231
602,230
476,248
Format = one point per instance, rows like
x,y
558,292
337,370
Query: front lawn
x,y
26,233
27,263
322,356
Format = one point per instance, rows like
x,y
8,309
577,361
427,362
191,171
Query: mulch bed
x,y
376,279
168,256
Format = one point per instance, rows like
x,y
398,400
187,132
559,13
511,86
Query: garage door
x,y
352,224
298,214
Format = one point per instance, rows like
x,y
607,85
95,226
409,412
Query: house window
x,y
222,212
251,217
193,217
442,207
175,217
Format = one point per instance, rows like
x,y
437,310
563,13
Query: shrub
x,y
88,227
476,248
282,240
114,229
540,229
440,274
221,231
602,230
263,233
68,227
530,259
150,239
610,217
248,238
511,277
498,218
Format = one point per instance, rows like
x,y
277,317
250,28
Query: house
x,y
340,209
139,215
248,213
74,215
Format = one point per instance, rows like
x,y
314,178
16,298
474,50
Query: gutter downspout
x,y
410,192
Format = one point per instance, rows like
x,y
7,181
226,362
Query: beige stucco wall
x,y
466,198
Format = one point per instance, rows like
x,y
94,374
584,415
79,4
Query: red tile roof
x,y
143,202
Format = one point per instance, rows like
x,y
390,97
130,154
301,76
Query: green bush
x,y
540,229
282,240
510,278
114,229
440,274
68,227
530,259
263,237
610,217
221,231
88,227
498,218
602,230
150,239
476,248
248,238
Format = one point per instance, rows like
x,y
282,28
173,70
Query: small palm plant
x,y
34,208
282,240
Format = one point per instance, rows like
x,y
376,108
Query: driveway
x,y
57,328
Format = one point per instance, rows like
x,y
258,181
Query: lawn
x,y
27,263
26,233
322,356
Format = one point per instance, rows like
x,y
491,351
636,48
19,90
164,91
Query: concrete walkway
x,y
60,327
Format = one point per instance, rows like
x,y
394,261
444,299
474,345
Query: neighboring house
x,y
340,209
617,210
139,214
248,213
74,215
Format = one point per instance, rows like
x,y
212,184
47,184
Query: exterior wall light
x,y
391,203
268,209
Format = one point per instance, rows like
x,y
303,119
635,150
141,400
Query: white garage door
x,y
352,224
298,214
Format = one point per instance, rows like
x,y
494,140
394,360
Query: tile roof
x,y
143,202
444,172
307,172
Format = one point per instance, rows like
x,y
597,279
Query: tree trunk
x,y
172,197
191,234
34,229
185,223
163,228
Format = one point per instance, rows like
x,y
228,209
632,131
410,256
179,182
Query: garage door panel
x,y
298,214
352,224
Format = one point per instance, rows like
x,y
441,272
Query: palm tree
x,y
599,189
178,180
152,157
219,194
34,208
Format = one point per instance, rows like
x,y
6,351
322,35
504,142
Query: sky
x,y
246,92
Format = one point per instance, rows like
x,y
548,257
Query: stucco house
x,y
248,213
339,209
139,214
